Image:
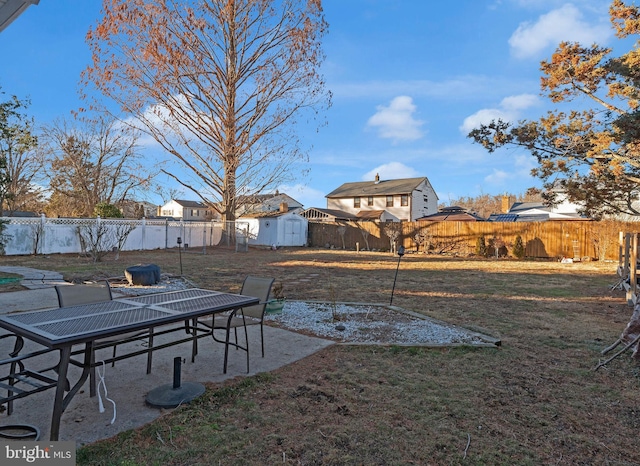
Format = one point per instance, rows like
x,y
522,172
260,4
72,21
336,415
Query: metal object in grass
x,y
180,253
400,254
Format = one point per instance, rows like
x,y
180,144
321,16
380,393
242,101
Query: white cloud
x,y
483,116
563,24
390,171
519,102
305,195
509,110
519,172
497,177
396,121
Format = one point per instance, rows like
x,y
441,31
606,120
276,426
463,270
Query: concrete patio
x,y
127,383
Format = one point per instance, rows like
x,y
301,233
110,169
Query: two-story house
x,y
185,210
405,199
261,203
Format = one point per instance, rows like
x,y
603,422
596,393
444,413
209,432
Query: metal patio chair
x,y
256,287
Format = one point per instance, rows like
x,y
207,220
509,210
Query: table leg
x,y
58,408
61,401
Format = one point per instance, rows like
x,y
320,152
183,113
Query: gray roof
x,y
453,214
11,9
260,198
190,204
523,206
381,188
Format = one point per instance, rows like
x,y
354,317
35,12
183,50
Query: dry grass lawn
x,y
535,400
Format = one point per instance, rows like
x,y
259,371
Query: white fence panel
x,y
56,235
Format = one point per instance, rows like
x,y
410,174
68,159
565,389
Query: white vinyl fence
x,y
67,235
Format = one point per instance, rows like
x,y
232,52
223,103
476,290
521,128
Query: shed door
x,y
293,233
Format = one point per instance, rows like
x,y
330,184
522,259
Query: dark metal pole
x,y
177,366
180,253
400,254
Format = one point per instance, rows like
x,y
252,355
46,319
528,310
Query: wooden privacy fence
x,y
553,239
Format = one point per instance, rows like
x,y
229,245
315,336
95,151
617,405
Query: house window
x,y
167,213
404,200
389,201
195,213
356,202
370,201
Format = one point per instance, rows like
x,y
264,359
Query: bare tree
x,y
101,237
342,229
91,162
365,234
220,85
19,165
392,230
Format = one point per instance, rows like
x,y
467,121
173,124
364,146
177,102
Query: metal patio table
x,y
62,328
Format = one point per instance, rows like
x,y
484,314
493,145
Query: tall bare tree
x,y
19,163
219,84
91,162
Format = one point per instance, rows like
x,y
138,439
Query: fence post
x,y
143,233
204,237
633,275
40,246
166,233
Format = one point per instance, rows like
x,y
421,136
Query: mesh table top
x,y
86,322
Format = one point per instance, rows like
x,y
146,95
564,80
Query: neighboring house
x,y
282,228
266,203
11,9
386,200
537,212
453,214
131,209
185,210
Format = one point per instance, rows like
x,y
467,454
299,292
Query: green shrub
x,y
518,247
105,210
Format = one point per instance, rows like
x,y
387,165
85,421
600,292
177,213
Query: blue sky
x,y
409,79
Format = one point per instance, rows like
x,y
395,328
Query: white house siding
x,y
424,201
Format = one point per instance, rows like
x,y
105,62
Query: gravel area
x,y
344,322
359,323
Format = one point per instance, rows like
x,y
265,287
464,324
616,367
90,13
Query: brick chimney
x,y
284,207
377,180
506,203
